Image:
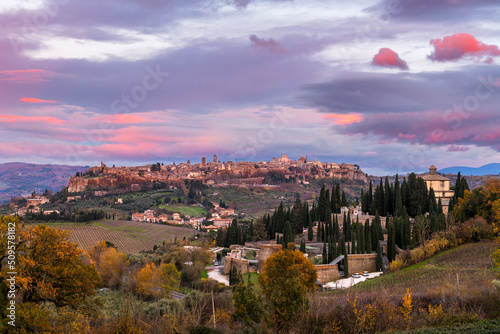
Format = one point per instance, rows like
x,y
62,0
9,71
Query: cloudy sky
x,y
393,86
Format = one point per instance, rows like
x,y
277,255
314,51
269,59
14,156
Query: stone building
x,y
440,185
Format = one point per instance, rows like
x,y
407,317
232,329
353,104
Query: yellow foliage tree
x,y
111,266
170,278
496,254
286,278
157,282
51,269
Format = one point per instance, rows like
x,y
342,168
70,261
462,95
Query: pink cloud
x,y
461,45
127,119
456,148
37,119
35,100
344,119
388,58
27,76
266,44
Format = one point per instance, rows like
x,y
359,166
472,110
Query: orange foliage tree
x,y
286,278
157,282
110,264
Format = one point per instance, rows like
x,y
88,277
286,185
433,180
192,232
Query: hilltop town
x,y
212,172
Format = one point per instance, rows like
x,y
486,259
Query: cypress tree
x,y
288,235
440,206
379,262
325,256
330,251
353,246
432,202
280,219
336,227
338,198
344,200
322,204
346,266
303,246
362,246
388,197
370,199
305,215
390,233
348,226
333,201
310,231
368,241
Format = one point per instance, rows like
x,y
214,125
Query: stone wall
x,y
327,272
362,262
267,250
241,265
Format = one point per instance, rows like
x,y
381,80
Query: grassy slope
x,y
193,211
471,262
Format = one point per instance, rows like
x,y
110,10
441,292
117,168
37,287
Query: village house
x,y
37,200
222,222
441,187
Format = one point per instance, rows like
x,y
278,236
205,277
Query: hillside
x,y
129,237
470,263
489,169
17,179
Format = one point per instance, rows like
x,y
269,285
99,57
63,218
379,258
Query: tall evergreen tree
x,y
325,254
303,246
398,206
310,232
338,197
370,199
379,263
388,197
288,235
322,204
432,202
346,265
344,200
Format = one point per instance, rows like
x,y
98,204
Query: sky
x,y
393,86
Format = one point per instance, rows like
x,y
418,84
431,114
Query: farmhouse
x,y
440,185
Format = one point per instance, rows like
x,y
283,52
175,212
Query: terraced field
x,y
153,232
128,236
87,236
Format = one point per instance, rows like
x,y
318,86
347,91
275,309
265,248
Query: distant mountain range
x,y
18,179
489,169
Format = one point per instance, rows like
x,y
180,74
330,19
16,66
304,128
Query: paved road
x,y
348,282
215,272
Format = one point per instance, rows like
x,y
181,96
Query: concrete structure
x,y
440,185
241,265
327,272
362,262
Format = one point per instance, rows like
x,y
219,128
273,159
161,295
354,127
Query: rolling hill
x,y
18,179
489,169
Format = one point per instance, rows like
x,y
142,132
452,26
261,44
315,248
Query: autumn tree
x,y
51,269
286,278
110,263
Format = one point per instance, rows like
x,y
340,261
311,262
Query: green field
x,y
193,211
